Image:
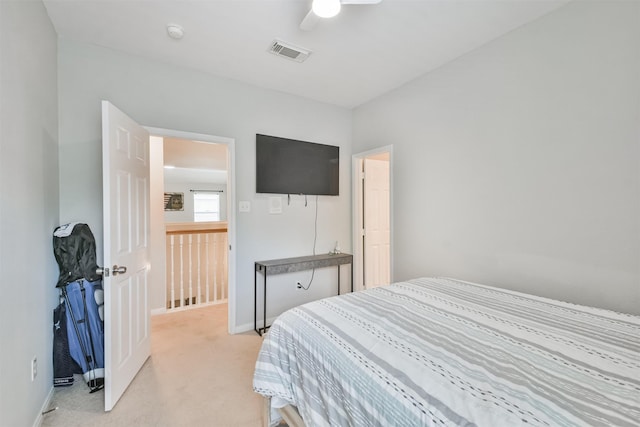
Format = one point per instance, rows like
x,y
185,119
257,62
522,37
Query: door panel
x,y
376,223
126,243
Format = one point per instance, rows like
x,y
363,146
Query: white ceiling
x,y
362,53
193,162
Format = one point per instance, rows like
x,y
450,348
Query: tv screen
x,y
289,166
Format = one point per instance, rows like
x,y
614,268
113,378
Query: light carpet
x,y
197,375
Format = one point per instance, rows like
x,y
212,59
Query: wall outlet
x,y
34,368
244,206
275,205
298,285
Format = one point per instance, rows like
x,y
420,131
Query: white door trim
x,y
231,212
357,226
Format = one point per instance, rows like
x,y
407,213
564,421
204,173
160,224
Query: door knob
x,y
118,270
100,271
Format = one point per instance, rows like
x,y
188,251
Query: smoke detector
x,y
175,31
289,51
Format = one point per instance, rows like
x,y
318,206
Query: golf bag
x,y
75,250
82,303
63,364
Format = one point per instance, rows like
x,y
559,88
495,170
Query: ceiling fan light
x,y
326,8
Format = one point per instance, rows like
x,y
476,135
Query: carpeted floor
x,y
197,375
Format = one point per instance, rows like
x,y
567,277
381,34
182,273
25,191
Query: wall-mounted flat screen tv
x,y
289,166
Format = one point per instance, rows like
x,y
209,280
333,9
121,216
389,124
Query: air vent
x,y
288,51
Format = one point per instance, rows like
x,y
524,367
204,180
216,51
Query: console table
x,y
290,265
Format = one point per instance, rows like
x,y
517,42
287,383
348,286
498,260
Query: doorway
x,y
372,219
159,215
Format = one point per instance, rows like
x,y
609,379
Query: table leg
x,y
351,266
255,299
264,313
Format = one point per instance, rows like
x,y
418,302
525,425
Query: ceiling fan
x,y
327,9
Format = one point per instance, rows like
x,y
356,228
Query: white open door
x,y
377,268
125,175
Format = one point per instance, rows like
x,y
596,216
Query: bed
x,y
441,352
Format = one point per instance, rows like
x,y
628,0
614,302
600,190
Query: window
x,y
206,207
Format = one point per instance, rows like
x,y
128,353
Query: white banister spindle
x,y
215,267
224,271
181,270
190,254
210,272
206,272
173,275
199,246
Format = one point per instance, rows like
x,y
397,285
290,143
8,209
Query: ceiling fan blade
x,y
309,21
360,1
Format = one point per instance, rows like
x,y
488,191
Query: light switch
x,y
244,206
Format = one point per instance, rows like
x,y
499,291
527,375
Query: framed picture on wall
x,y
173,201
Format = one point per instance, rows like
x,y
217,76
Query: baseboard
x,y
45,407
161,310
193,306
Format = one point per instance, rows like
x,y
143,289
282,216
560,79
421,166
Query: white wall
x,y
158,254
28,207
518,164
163,96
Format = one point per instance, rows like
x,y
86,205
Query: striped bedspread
x,y
434,352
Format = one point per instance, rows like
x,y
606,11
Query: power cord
x,y
315,239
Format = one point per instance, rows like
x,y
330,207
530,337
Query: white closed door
x,y
125,168
377,268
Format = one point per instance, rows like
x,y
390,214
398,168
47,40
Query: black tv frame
x,y
292,166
